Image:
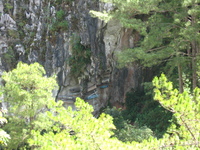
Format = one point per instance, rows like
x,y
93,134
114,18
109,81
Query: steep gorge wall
x,y
48,31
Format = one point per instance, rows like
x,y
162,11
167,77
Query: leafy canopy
x,y
168,33
4,137
36,121
77,130
28,92
186,110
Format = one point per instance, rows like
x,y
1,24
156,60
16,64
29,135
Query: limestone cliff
x,y
63,37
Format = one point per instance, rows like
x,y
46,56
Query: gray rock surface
x,y
31,31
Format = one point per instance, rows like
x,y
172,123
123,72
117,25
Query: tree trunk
x,y
194,65
194,56
180,78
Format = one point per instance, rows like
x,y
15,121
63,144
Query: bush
x,y
132,133
60,24
126,132
118,119
144,111
80,57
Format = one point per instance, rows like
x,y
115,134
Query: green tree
x,y
81,130
184,132
28,93
36,121
125,131
169,33
144,111
186,110
4,137
77,130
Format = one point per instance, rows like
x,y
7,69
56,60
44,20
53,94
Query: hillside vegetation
x,y
36,121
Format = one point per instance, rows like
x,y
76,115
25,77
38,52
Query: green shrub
x,y
118,119
134,104
60,24
185,108
9,58
126,132
132,133
13,33
4,137
144,111
7,7
80,57
155,117
60,15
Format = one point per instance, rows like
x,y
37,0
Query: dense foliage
x,y
185,108
168,34
75,129
28,93
80,57
60,24
4,137
142,110
125,131
166,119
36,121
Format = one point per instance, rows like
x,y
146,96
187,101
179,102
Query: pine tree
x,y
77,130
28,93
169,31
185,108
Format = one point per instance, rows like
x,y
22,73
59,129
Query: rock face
x,y
63,37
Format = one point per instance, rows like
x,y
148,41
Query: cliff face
x,y
63,37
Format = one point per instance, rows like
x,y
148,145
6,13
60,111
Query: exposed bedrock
x,y
67,41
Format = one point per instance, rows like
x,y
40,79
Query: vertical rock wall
x,y
45,31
